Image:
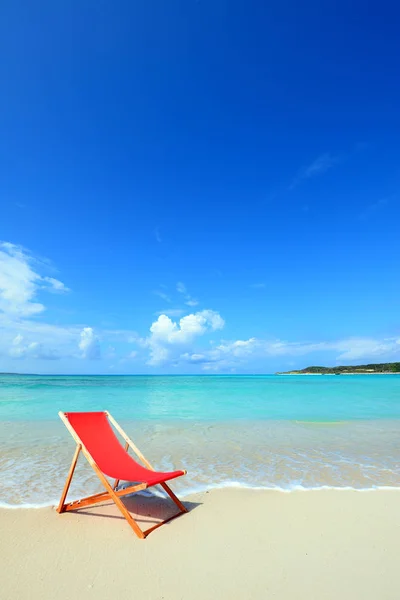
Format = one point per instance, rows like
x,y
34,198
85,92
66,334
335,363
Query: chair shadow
x,y
144,509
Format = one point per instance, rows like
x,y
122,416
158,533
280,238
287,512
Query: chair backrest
x,y
98,437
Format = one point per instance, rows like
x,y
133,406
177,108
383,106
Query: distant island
x,y
380,368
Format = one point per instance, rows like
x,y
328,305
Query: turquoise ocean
x,y
273,432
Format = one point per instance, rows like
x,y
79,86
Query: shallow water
x,y
272,432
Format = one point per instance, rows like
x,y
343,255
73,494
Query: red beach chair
x,y
97,441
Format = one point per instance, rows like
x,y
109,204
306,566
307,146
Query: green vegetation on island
x,y
348,370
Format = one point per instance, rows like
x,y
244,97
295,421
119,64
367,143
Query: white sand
x,y
234,544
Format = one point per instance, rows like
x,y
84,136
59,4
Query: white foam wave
x,y
47,504
226,485
286,490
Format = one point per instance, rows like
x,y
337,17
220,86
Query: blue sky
x,y
198,187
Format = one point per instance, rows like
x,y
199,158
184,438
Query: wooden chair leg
x,y
61,505
173,497
125,512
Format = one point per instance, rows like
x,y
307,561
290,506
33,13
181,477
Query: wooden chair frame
x,y
111,492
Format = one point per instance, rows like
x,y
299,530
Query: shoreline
x,y
230,486
233,543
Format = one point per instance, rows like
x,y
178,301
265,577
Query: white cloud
x,y
30,328
195,358
20,282
24,334
21,349
359,348
226,354
157,235
89,344
166,334
320,165
190,326
352,348
189,301
238,348
55,285
17,349
158,354
241,352
163,295
181,287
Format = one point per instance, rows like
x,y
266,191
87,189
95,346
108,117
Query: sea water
x,y
283,432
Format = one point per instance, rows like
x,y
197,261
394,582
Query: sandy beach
x,y
233,543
